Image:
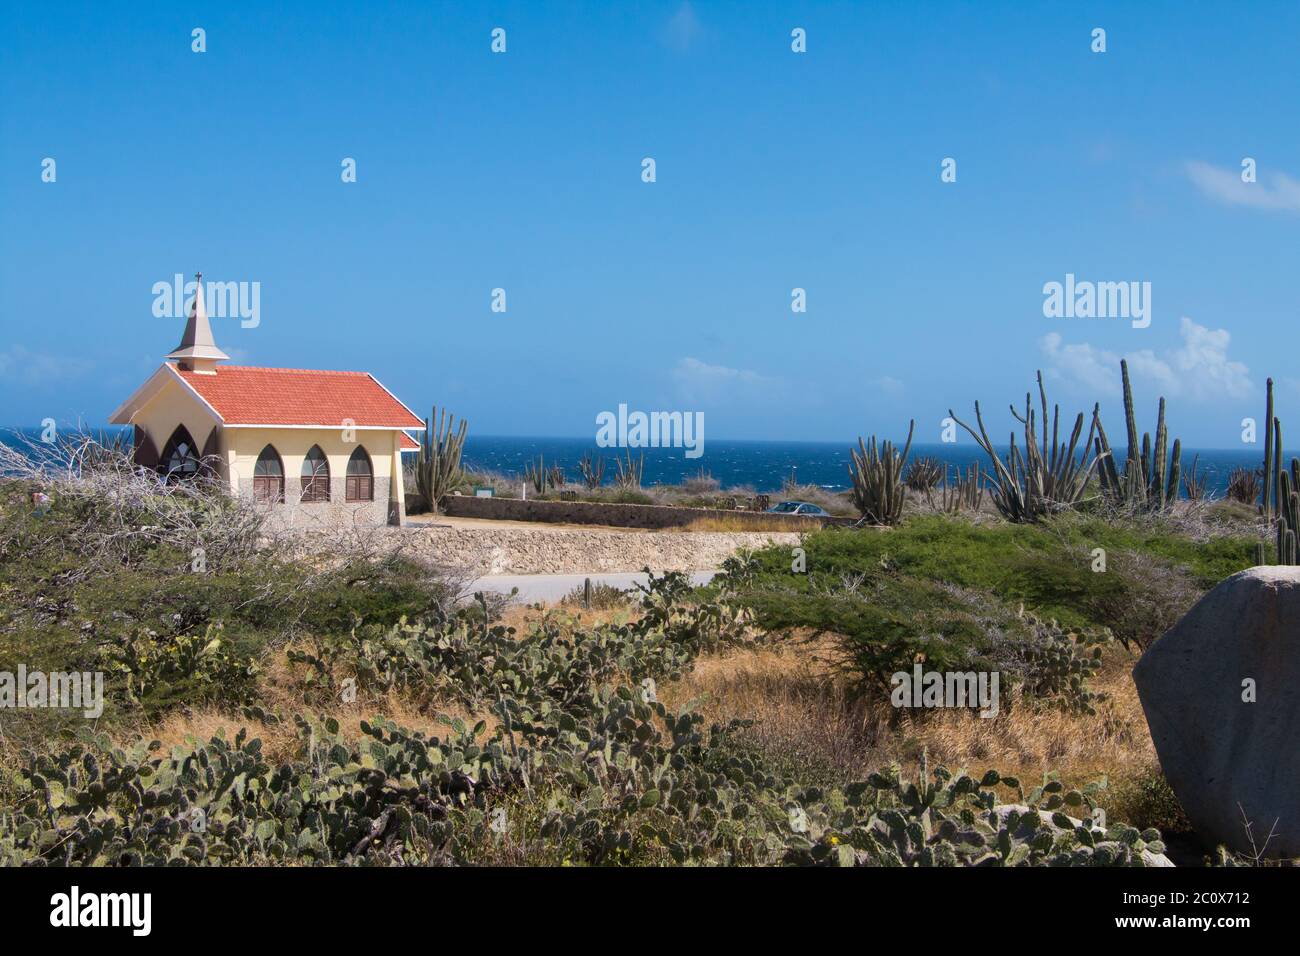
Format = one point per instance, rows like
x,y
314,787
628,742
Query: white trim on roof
x,y
333,426
398,401
126,412
195,392
122,415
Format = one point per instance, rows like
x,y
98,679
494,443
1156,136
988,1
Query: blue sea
x,y
766,465
761,465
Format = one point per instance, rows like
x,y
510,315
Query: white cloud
x,y
700,380
1225,186
36,368
1094,368
1198,369
1204,361
887,384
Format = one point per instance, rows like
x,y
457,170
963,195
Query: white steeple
x,y
197,351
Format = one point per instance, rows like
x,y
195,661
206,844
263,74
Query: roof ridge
x,y
272,368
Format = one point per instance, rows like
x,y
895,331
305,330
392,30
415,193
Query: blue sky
x,y
775,170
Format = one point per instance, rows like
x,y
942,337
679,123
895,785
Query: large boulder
x,y
1227,758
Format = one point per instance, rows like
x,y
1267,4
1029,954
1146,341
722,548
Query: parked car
x,y
797,508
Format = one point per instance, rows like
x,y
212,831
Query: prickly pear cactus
x,y
583,758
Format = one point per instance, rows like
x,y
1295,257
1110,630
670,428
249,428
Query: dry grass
x,y
806,721
282,693
281,742
730,524
806,716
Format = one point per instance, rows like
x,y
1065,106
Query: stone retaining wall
x,y
550,550
615,515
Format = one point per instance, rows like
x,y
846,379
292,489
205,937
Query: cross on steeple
x,y
198,351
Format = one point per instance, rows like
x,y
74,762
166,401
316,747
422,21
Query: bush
x,y
1147,800
106,579
700,484
892,622
186,669
604,597
1153,575
624,779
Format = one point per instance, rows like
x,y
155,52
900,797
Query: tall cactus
x,y
592,469
1268,504
1044,479
1151,472
1279,501
1130,419
1280,497
629,474
536,474
1288,516
877,474
437,467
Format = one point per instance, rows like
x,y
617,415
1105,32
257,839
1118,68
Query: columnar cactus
x,y
437,467
877,473
1046,478
1151,476
1268,503
535,474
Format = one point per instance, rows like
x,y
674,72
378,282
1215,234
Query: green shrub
x,y
1152,577
186,669
603,597
138,611
893,622
1148,801
614,777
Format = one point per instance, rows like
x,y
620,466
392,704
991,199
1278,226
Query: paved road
x,y
552,587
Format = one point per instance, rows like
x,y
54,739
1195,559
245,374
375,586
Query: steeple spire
x,y
198,351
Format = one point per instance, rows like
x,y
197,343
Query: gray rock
x,y
1228,760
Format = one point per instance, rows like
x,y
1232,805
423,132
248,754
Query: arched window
x,y
268,476
179,460
361,477
315,476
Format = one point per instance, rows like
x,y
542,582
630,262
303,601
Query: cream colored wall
x,y
243,445
238,447
176,405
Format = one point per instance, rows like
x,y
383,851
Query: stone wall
x,y
615,515
337,512
503,549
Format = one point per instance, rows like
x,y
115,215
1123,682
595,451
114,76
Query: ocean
x,y
765,465
761,465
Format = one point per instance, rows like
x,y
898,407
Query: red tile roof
x,y
409,443
243,395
